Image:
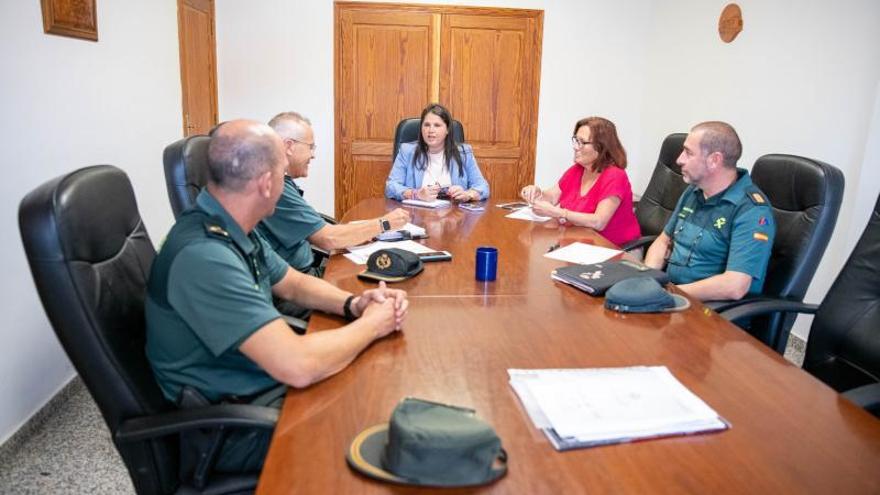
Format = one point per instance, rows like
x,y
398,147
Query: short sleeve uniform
x,y
288,229
613,181
210,288
733,230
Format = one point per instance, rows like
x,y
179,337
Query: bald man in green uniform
x,y
717,241
211,324
296,226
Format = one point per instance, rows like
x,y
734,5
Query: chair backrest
x,y
805,195
408,130
90,256
664,189
844,345
186,171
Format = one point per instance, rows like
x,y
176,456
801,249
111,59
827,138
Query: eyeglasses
x,y
312,146
578,142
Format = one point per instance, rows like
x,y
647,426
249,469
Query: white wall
x,y
69,103
798,80
277,55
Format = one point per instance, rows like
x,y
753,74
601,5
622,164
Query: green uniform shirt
x,y
289,228
210,288
733,230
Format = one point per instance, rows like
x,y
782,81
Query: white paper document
x,y
589,407
526,213
437,203
585,254
360,254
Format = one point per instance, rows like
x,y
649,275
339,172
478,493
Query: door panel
x,y
485,76
385,71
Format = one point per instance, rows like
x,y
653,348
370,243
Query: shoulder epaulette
x,y
757,197
214,227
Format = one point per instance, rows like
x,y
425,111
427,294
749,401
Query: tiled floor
x,y
70,450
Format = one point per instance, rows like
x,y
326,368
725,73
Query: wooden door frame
x,y
184,68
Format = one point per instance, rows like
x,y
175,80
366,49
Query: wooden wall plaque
x,y
74,18
730,23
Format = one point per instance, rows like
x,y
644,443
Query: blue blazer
x,y
404,174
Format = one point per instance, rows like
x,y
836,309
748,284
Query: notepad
x,y
437,203
589,407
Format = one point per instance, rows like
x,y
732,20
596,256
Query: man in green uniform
x,y
296,226
717,242
211,324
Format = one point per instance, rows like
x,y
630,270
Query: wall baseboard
x,y
30,425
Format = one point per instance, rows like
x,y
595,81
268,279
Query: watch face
x,y
386,225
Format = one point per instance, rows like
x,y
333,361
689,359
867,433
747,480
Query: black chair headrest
x,y
408,131
186,171
670,151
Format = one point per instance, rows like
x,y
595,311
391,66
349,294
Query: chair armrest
x,y
640,242
327,218
320,254
719,306
867,397
296,323
765,306
180,420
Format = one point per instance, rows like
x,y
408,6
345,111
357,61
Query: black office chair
x,y
843,349
186,173
90,256
662,193
408,131
805,195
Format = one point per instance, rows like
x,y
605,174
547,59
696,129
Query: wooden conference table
x,y
790,433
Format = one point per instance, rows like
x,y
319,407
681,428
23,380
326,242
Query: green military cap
x,y
429,444
392,265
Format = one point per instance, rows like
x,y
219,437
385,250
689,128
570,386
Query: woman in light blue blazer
x,y
435,165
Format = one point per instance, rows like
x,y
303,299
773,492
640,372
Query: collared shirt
x,y
210,288
732,230
288,229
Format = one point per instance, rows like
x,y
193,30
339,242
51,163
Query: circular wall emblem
x,y
730,23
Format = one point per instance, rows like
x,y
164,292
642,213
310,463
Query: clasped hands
x,y
456,193
386,306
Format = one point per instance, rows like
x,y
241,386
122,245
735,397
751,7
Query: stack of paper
x,y
588,407
360,254
437,203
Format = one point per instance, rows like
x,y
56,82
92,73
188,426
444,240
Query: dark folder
x,y
595,279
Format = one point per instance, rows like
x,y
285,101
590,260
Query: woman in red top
x,y
595,192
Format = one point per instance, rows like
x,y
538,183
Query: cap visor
x,y
681,303
365,454
385,278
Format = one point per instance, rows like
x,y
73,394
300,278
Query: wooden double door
x,y
391,60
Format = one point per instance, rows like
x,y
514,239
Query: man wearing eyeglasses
x,y
717,241
296,226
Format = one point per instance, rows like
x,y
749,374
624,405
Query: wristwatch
x,y
385,225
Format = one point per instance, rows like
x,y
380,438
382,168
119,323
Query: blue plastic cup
x,y
487,263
